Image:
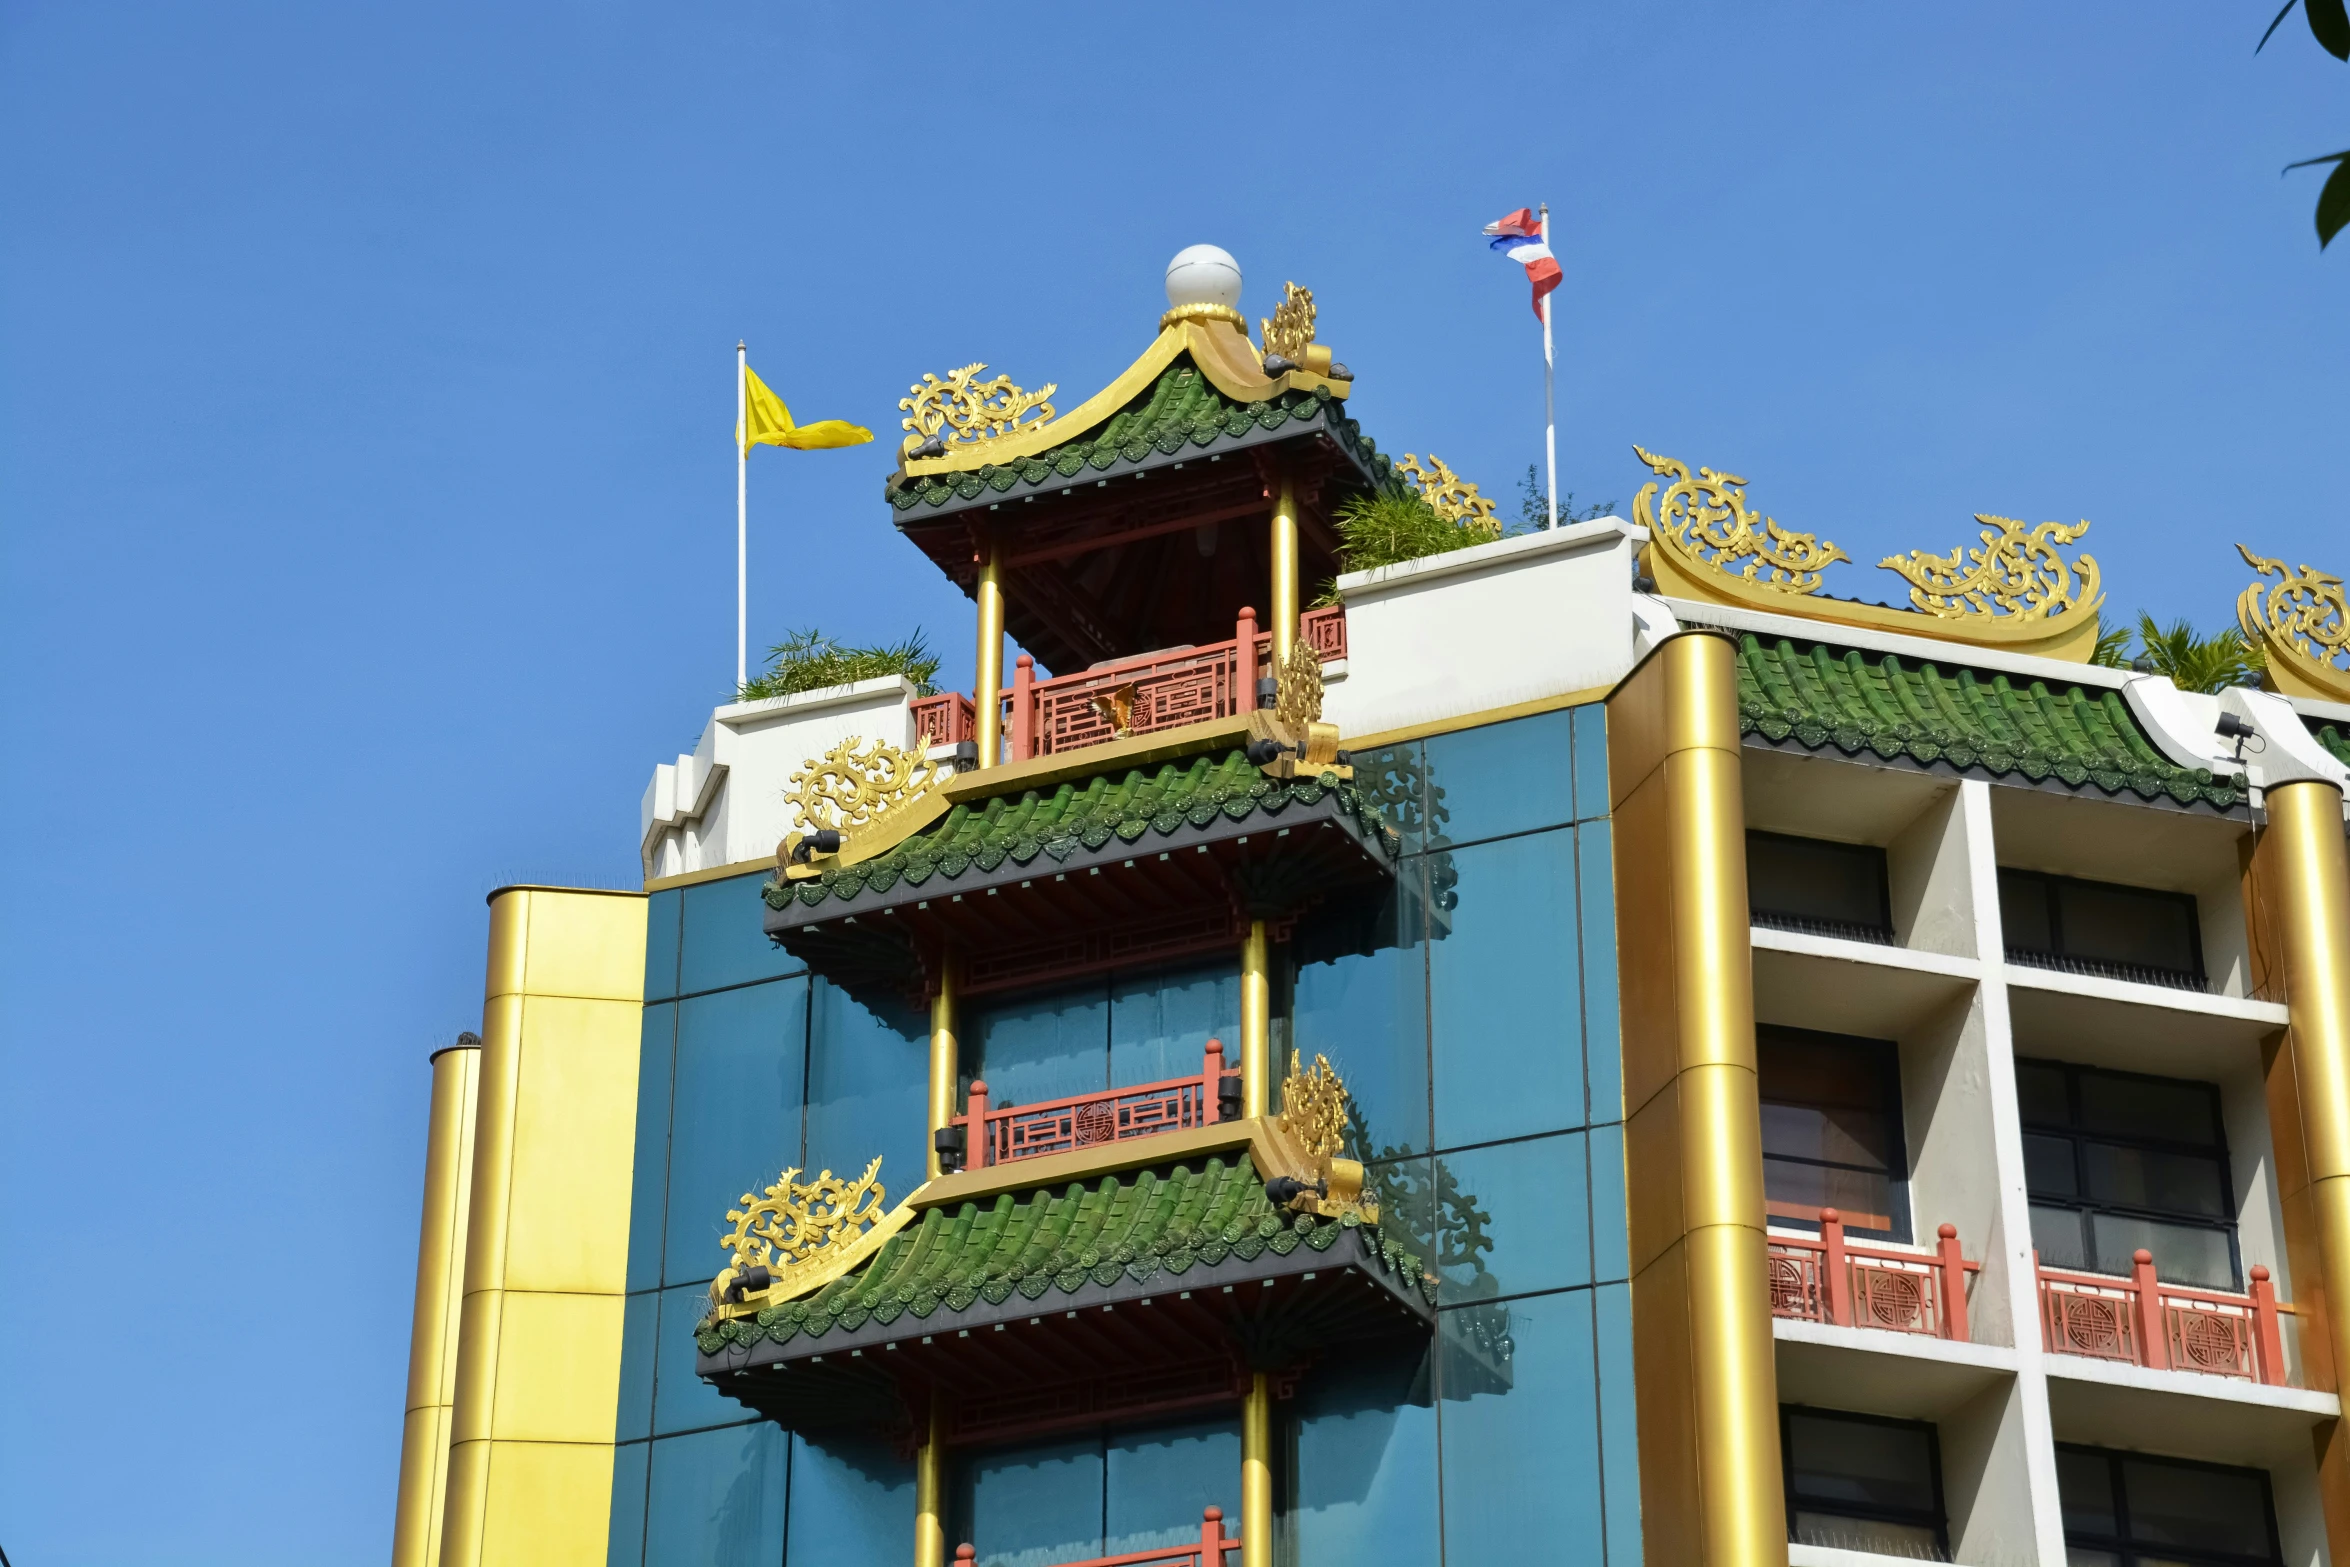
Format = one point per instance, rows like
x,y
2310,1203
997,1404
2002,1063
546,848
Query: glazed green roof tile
x,y
1087,813
1180,411
2334,739
1140,1224
1974,720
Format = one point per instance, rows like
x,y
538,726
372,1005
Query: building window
x,y
2115,1161
2095,927
1827,889
2128,1510
1831,1128
1863,1483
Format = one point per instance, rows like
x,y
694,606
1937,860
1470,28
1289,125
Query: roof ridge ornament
x,y
961,410
1706,516
2015,572
2302,621
1455,499
797,1230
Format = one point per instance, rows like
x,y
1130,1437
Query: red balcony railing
x,y
1136,696
1208,1552
1851,1285
1089,1120
2145,1322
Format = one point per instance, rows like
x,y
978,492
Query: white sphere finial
x,y
1203,275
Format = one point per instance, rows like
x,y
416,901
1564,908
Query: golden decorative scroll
x,y
1313,1107
2014,572
1450,496
2302,622
845,788
960,408
1290,328
1298,684
798,1225
1705,517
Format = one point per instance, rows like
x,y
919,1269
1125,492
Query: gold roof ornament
x,y
1313,1122
1288,334
961,409
2012,592
1450,496
801,1235
847,788
1297,698
2302,622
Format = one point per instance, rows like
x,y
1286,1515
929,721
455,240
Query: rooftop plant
x,y
2192,662
809,661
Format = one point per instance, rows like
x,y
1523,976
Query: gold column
x,y
432,1341
546,1243
1256,1021
987,685
1705,1385
2302,918
930,1491
1283,554
1256,1473
945,1058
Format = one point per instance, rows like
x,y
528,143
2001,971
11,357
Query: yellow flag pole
x,y
742,523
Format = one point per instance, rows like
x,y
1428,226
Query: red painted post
x,y
2153,1342
965,1555
1244,674
2268,1344
1953,1284
1211,1083
978,1146
1023,708
1833,1268
1211,1538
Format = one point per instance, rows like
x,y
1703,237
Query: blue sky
x,y
365,384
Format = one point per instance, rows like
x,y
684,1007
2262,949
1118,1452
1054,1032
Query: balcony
x,y
1126,697
1209,1552
1009,1133
1852,1285
2141,1321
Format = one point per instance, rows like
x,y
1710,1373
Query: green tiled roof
x,y
1085,814
1140,1224
2334,740
1179,410
1825,696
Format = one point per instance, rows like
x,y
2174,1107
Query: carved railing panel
x,y
2166,1327
994,1135
1847,1284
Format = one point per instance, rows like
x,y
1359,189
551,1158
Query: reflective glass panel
x,y
1365,1486
2151,1107
648,1204
2196,1508
868,1077
1366,1007
722,940
2059,1236
2048,1166
1501,778
627,1542
2084,1489
1810,881
1608,1243
716,1498
639,1323
735,1121
1029,1049
2124,925
682,1401
1034,1505
852,1503
663,910
1391,779
1590,761
1596,894
1520,1420
1502,987
1160,1479
2145,1178
1515,1220
1618,1421
2182,1254
1161,1022
1866,1463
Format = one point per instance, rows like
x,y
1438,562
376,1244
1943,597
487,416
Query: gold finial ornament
x,y
1290,329
802,1225
2302,622
1298,687
962,409
1450,496
1313,1106
2014,572
846,788
1706,516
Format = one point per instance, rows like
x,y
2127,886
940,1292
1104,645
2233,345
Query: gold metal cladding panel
x,y
416,1517
1652,1167
2312,896
945,1062
1644,969
440,1296
1682,696
1736,1397
1667,1428
477,1372
1256,1473
1713,960
930,1491
497,1080
550,1504
574,1145
1721,1151
584,944
558,1368
1256,1023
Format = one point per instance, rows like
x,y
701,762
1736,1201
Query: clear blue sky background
x,y
364,405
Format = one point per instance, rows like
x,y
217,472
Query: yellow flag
x,y
771,423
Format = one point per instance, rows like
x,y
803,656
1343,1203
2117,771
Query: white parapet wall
x,y
724,803
1517,620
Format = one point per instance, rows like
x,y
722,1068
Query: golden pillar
x,y
987,684
945,1059
1283,554
1256,1021
546,1241
930,1490
440,1273
1706,1387
2301,923
1256,1473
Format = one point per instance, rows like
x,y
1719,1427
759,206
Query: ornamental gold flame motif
x,y
1450,496
798,1223
2304,610
1298,686
846,788
1290,328
1313,1107
2014,572
1706,516
961,409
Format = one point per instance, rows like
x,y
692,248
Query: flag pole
x,y
1550,428
743,518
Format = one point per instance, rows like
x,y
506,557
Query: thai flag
x,y
1519,237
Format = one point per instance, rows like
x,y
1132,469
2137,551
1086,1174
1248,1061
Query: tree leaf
x,y
2329,23
2273,26
2333,203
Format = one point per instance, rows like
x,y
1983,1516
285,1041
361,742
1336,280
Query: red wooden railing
x,y
1089,1120
1158,691
2145,1322
1849,1285
1208,1552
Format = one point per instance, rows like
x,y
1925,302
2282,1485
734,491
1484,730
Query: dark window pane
x,y
2183,1254
1917,1542
1875,1464
2040,1090
2150,1107
2144,1178
2125,925
1810,880
2084,1488
2195,1508
2048,1166
1827,1097
2023,912
1866,1200
2057,1234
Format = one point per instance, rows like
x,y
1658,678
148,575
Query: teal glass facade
x,y
1473,1017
